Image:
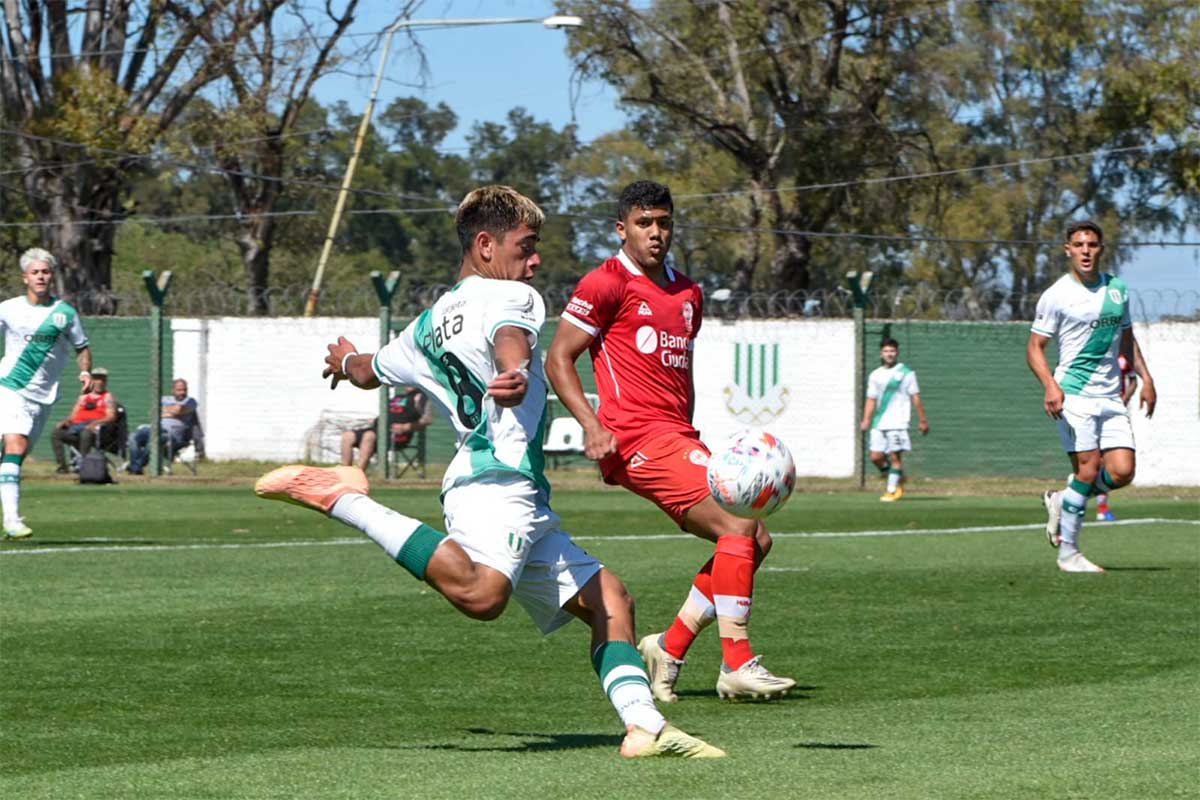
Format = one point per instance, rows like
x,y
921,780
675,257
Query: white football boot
x,y
17,529
670,741
751,681
662,666
1077,562
1052,500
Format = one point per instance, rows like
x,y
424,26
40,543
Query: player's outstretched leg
x,y
670,741
318,488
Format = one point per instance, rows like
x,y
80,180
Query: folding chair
x,y
112,439
409,450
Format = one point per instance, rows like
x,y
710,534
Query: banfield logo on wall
x,y
756,397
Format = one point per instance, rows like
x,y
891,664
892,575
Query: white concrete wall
x,y
806,398
259,381
1168,444
262,397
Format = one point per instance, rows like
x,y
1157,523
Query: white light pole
x,y
555,22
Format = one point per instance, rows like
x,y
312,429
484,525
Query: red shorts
x,y
670,471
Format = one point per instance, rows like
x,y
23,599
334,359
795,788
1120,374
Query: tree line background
x,y
940,143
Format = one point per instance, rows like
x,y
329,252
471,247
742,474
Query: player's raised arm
x,y
569,343
344,362
1035,356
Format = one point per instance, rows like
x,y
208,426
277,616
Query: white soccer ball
x,y
753,476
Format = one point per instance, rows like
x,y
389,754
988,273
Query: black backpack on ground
x,y
93,468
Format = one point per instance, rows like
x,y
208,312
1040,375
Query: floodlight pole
x,y
385,290
859,284
157,286
554,22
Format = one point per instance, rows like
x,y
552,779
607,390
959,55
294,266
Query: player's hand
x,y
924,426
1149,398
1053,402
509,387
598,442
85,383
865,425
333,362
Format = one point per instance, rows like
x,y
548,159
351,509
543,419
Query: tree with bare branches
x,y
79,116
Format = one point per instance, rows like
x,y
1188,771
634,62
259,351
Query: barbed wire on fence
x,y
904,303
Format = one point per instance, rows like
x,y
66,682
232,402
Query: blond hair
x,y
37,254
497,210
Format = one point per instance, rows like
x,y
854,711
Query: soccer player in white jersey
x,y
474,353
1087,312
40,333
892,394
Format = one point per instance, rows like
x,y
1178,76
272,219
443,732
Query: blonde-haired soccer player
x,y
1087,312
40,333
474,353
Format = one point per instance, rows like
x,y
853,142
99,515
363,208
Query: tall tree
x,y
268,76
82,114
797,93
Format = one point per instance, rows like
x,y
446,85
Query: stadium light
x,y
556,22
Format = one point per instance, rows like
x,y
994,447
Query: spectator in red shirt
x,y
639,319
93,408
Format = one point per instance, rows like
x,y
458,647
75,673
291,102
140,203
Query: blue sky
x,y
482,73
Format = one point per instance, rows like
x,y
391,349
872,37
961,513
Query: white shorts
x,y
1094,423
893,440
21,415
505,525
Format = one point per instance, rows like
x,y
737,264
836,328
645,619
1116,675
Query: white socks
x,y
10,491
387,528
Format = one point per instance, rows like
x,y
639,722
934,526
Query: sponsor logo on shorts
x,y
698,457
516,543
637,460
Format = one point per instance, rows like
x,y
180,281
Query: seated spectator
x,y
408,412
364,439
81,429
179,426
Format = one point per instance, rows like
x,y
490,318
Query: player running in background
x,y
892,393
474,354
639,319
1087,312
40,333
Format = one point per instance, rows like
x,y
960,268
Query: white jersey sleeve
x,y
517,304
1048,315
76,334
910,386
875,383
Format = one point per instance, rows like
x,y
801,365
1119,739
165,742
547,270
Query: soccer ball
x,y
753,476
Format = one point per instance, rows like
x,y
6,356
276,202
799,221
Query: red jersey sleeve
x,y
595,302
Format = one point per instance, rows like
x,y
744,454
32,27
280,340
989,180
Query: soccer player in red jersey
x,y
639,319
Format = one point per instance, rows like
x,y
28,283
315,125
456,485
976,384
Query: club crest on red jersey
x,y
688,313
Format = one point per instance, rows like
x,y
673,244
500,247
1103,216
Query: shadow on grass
x,y
797,693
1137,569
531,742
835,746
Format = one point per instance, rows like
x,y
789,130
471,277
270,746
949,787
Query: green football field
x,y
190,641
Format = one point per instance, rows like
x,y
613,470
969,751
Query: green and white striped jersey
x,y
448,353
39,342
892,389
1087,321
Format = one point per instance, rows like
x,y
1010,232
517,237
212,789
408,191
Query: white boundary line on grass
x,y
150,548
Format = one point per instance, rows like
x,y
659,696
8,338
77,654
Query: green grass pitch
x,y
190,641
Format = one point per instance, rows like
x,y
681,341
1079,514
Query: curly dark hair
x,y
644,194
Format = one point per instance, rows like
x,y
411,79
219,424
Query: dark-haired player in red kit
x,y
639,319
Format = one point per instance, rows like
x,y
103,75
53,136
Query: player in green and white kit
x,y
1087,312
40,333
892,393
474,354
